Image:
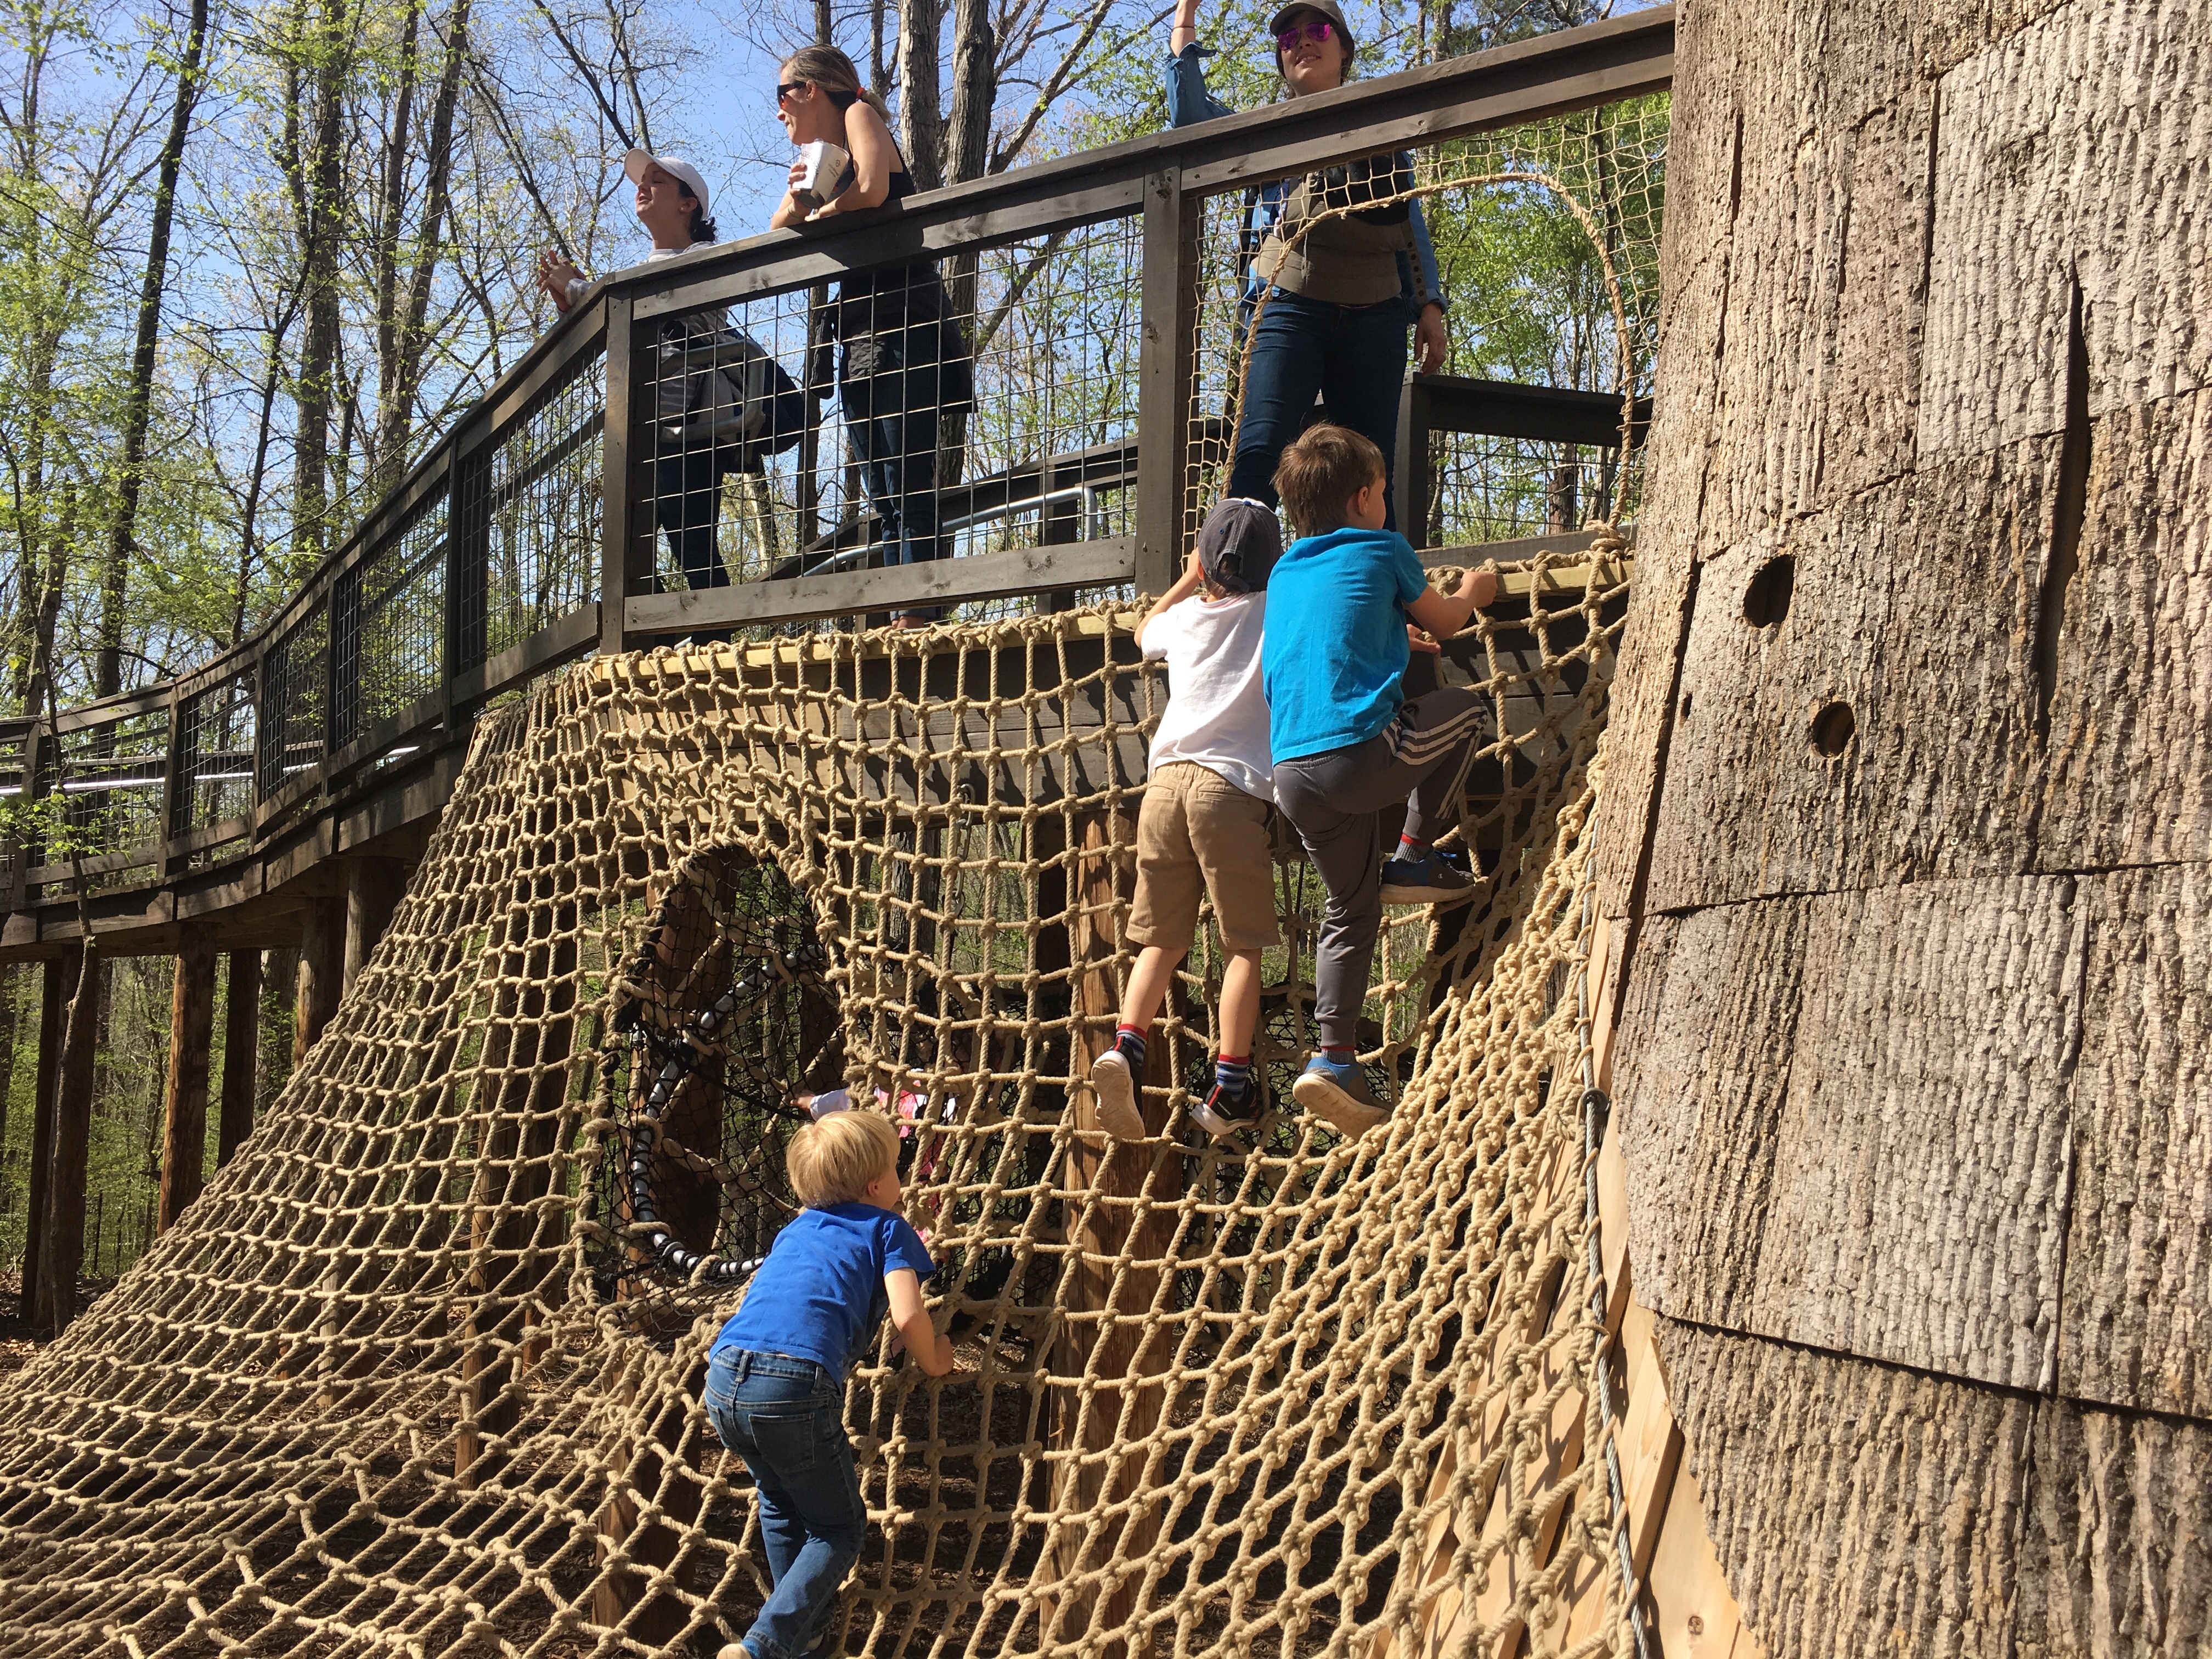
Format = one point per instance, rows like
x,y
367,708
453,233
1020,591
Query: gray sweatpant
x,y
1332,799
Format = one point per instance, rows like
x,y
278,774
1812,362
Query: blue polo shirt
x,y
821,1291
1334,654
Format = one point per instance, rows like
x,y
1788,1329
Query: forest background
x,y
256,255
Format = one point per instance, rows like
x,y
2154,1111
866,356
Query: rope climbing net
x,y
420,1373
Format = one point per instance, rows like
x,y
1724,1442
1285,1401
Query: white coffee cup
x,y
825,165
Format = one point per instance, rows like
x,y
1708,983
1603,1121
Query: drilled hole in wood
x,y
1687,696
1833,727
1766,601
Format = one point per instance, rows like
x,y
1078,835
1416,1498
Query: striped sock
x,y
1232,1076
1131,1042
1410,848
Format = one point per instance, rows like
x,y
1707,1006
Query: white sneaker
x,y
1117,1097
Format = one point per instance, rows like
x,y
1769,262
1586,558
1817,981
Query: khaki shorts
x,y
1195,831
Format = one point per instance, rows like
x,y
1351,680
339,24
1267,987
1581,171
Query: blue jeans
x,y
891,411
1353,356
786,1417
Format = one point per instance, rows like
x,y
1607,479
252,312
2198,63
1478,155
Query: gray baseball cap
x,y
1328,8
1238,545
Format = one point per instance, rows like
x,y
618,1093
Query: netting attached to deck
x,y
420,1374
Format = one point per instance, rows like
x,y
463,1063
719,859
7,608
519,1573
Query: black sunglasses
x,y
785,88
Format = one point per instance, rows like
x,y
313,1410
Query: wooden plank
x,y
618,481
1848,1500
556,642
946,581
61,1252
1695,1612
2070,152
1165,376
1541,414
1846,1125
2136,1316
2117,1558
1121,1202
2123,771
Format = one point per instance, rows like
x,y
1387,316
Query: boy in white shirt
x,y
1204,816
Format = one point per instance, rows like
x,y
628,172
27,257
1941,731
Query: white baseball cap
x,y
635,162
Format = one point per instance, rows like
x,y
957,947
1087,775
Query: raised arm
x,y
1444,615
1188,99
1185,584
875,158
932,1353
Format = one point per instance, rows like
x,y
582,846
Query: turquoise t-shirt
x,y
821,1291
1335,653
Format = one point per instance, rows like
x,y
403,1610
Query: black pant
x,y
687,500
1331,799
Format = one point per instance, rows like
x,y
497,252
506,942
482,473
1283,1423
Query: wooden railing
x,y
524,537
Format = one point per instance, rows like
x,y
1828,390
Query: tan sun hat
x,y
635,162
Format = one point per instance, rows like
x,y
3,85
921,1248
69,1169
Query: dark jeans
x,y
1332,799
687,499
891,412
1353,356
786,1417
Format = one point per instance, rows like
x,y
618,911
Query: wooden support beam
x,y
322,972
58,978
192,1035
1120,1201
375,887
61,1255
241,1053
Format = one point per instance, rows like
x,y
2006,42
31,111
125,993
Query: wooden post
x,y
618,480
689,1205
241,1053
513,1244
1105,1339
322,969
61,1257
191,1035
60,976
375,887
1165,377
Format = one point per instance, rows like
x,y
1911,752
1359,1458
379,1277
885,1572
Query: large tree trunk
x,y
397,389
318,192
975,87
1907,815
138,396
921,128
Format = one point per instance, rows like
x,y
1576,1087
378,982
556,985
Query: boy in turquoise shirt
x,y
1343,608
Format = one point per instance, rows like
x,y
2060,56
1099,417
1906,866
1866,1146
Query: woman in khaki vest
x,y
1341,303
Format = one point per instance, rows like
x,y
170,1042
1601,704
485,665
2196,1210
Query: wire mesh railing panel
x,y
905,415
108,784
214,755
294,690
17,830
529,517
1533,228
390,624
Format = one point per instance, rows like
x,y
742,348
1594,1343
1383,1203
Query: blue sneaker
x,y
1339,1095
1430,878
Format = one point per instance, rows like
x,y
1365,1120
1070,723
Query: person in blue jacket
x,y
1340,302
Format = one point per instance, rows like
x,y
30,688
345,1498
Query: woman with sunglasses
x,y
1339,302
899,355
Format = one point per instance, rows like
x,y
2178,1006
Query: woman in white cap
x,y
901,360
688,462
1341,303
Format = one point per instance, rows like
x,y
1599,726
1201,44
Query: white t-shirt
x,y
1217,713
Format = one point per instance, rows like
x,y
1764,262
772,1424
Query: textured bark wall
x,y
1915,1060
